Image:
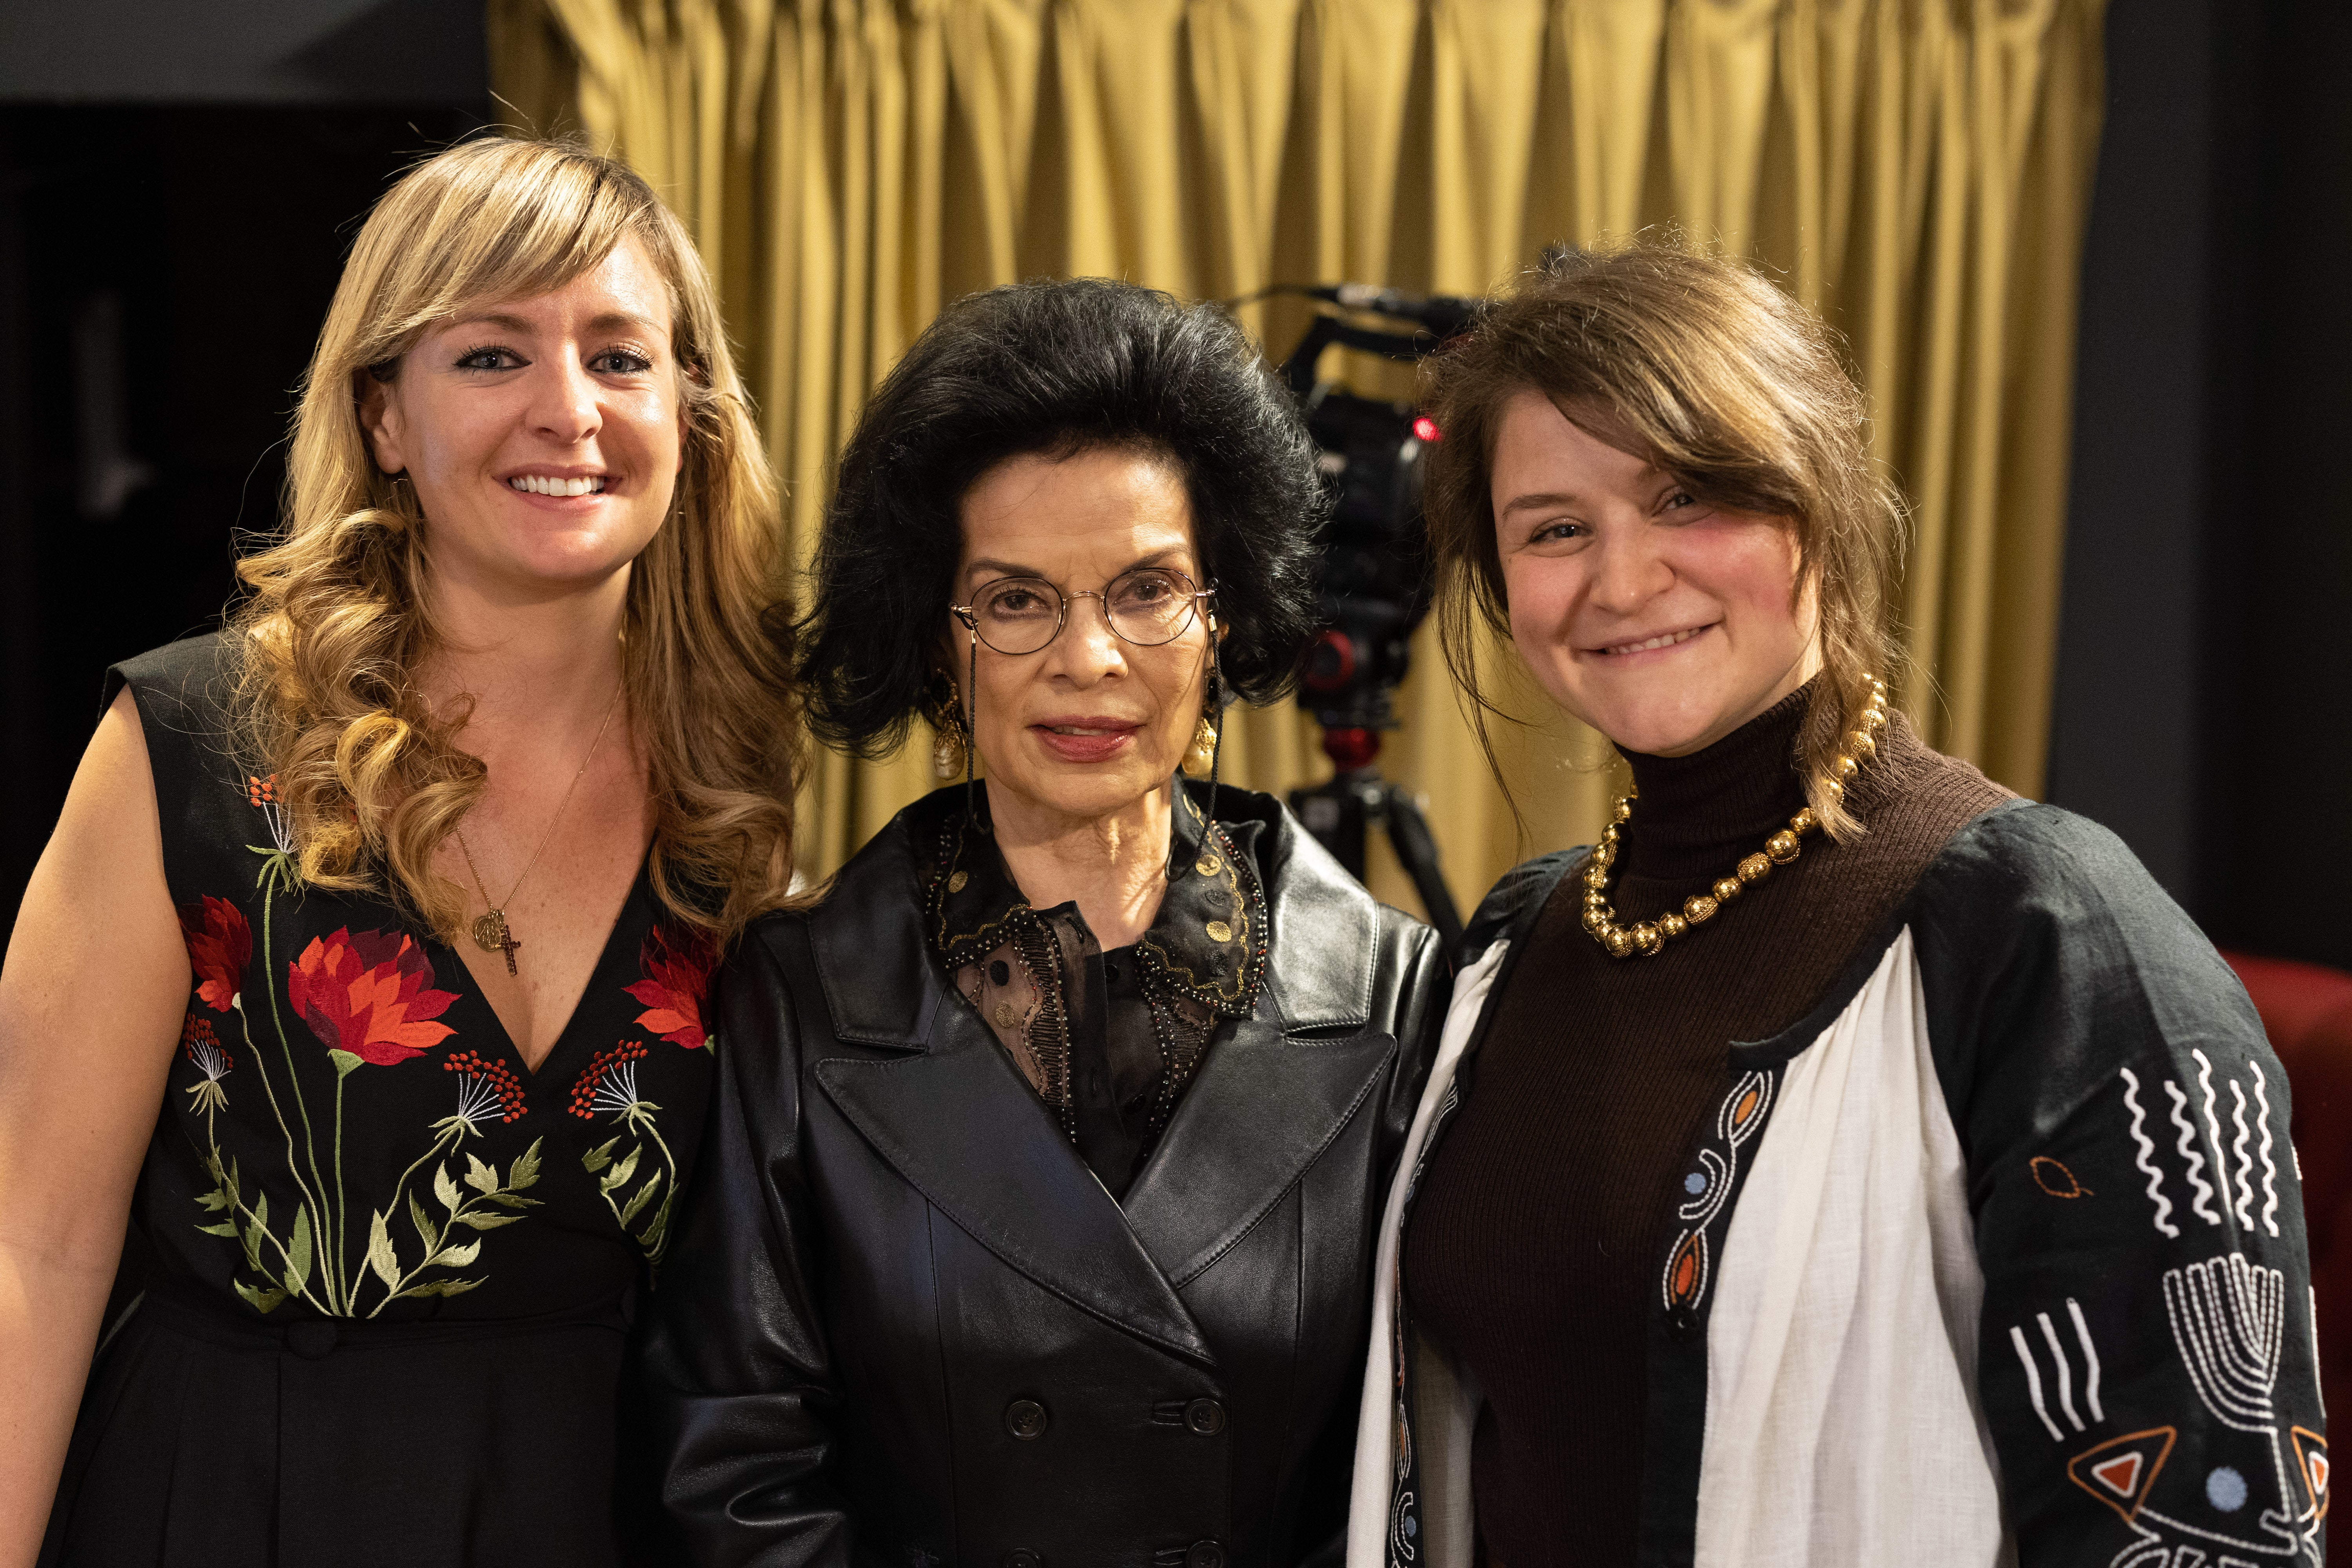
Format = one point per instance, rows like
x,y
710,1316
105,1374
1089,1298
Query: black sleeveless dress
x,y
391,1268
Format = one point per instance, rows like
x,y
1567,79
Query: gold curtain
x,y
1916,170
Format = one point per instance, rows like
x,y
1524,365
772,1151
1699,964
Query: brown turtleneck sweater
x,y
1534,1246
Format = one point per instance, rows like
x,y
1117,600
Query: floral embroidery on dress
x,y
677,977
368,997
677,970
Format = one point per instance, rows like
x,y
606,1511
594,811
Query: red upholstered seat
x,y
2307,1010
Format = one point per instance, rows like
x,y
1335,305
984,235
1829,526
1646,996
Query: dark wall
x,y
2281,877
2204,680
162,275
245,52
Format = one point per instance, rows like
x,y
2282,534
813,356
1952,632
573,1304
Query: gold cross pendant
x,y
491,935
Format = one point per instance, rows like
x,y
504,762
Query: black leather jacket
x,y
904,1324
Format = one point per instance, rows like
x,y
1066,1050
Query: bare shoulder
x,y
96,942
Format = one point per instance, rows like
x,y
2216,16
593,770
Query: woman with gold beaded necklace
x,y
1844,1161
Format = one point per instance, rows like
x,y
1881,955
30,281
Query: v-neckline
x,y
600,974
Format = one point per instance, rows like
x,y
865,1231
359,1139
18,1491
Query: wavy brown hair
x,y
369,778
1703,368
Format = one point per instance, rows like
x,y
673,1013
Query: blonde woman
x,y
398,899
1844,1163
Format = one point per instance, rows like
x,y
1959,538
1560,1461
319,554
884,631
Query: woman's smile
x,y
1631,650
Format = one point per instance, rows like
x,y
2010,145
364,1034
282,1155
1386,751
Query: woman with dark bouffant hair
x,y
1036,1224
1828,1167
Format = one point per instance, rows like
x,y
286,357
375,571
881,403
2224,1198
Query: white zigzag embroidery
x,y
2145,1160
2201,1200
2270,1171
2245,1173
2213,1124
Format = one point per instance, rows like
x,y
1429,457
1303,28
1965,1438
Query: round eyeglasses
x,y
1145,607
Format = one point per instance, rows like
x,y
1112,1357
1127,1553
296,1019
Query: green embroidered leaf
x,y
596,1159
256,1227
479,1177
344,1062
480,1221
629,1211
259,1301
514,1201
227,1227
381,1257
426,1231
458,1257
616,1178
439,1288
216,1199
524,1172
444,1188
297,1253
233,1184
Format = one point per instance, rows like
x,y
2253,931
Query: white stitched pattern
x,y
2270,1170
2201,1201
2245,1171
2145,1160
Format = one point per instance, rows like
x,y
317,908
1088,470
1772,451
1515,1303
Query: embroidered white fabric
x,y
1843,1424
1449,1401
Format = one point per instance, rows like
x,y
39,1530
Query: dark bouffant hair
x,y
1056,368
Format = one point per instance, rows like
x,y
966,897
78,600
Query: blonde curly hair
x,y
370,780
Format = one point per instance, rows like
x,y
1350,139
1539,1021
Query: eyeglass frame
x,y
968,613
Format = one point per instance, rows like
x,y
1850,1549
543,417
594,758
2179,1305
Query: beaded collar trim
x,y
1207,945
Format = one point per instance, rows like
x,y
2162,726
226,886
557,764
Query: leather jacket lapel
x,y
958,1122
1264,1108
960,1126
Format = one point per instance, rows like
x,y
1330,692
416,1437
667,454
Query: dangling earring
x,y
1203,755
944,714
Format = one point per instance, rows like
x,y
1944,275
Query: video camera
x,y
1375,586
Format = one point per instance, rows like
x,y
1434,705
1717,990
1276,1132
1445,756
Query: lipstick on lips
x,y
1085,741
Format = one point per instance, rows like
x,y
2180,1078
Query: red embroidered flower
x,y
203,1046
609,1083
220,944
677,978
489,1088
369,992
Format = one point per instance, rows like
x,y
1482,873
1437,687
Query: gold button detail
x,y
1208,865
1219,932
1005,1015
956,882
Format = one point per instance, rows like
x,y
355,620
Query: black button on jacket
x,y
905,1323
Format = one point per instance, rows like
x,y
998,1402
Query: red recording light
x,y
1424,429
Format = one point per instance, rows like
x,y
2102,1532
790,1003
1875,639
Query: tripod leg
x,y
1409,832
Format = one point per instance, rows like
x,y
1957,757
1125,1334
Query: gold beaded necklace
x,y
1648,937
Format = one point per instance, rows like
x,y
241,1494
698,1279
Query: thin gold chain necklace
x,y
491,932
1647,938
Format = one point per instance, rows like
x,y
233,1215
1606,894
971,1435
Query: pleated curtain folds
x,y
1916,170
